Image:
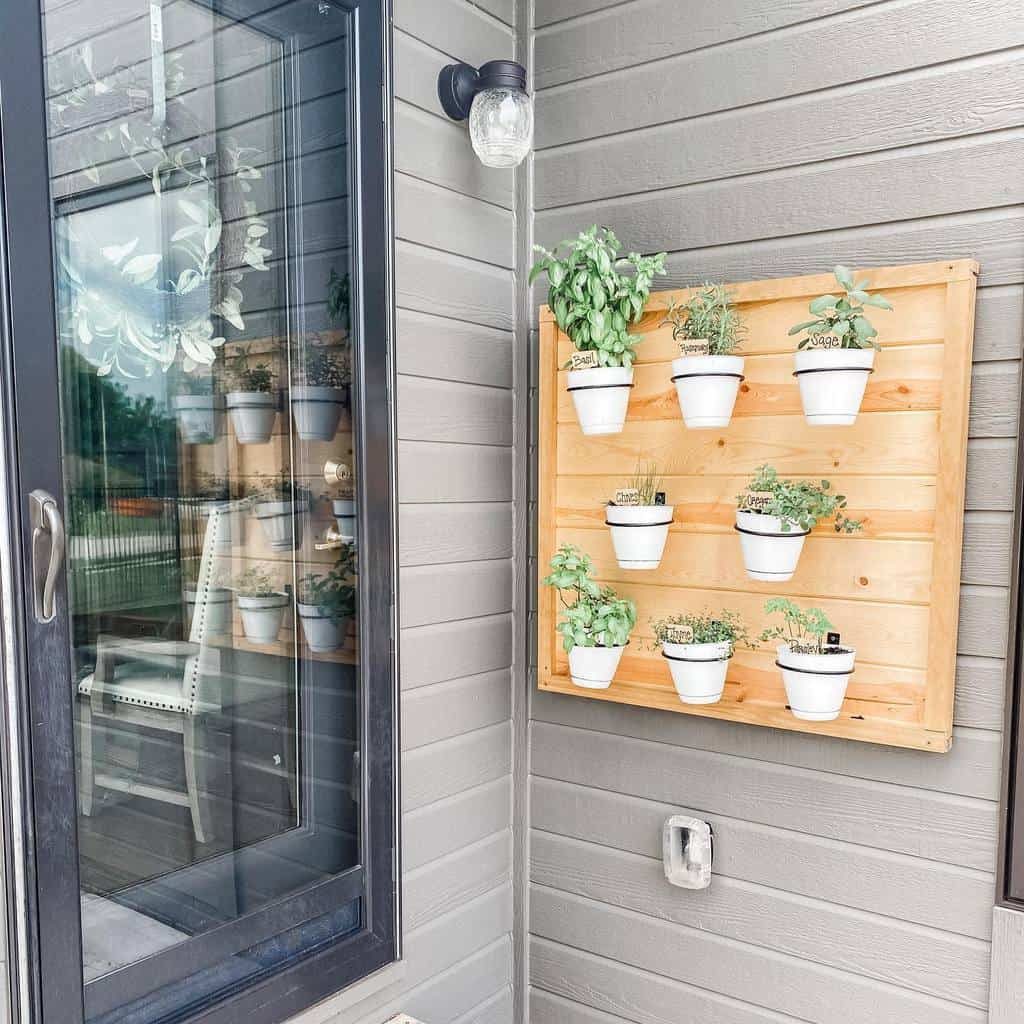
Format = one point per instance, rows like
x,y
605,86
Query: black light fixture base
x,y
456,86
459,83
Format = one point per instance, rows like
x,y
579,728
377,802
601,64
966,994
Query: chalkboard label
x,y
627,496
584,361
694,347
659,498
832,639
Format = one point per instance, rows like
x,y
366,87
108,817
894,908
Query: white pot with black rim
x,y
344,510
316,411
639,533
200,417
593,668
698,670
262,616
816,683
252,415
707,386
832,383
771,546
601,398
281,522
216,609
324,633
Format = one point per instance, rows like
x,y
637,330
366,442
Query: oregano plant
x,y
842,316
796,501
595,294
592,615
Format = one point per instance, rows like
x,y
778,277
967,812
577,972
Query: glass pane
x,y
200,174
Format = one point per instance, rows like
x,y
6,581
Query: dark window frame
x,y
1010,864
38,774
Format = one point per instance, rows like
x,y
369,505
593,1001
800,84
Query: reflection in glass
x,y
203,288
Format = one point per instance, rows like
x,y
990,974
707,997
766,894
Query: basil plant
x,y
593,300
592,615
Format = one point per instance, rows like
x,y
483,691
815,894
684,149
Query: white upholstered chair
x,y
166,685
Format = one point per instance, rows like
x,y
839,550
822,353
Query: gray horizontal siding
x,y
455,462
851,880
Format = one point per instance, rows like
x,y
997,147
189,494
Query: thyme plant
x,y
842,317
593,300
592,616
257,581
706,628
707,315
799,501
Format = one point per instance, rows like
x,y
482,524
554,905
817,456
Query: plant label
x,y
756,501
627,496
832,639
584,361
825,341
659,498
676,633
694,347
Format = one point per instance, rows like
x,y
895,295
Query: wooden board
x,y
892,590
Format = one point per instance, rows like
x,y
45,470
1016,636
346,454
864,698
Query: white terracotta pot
x,y
252,415
832,383
345,516
217,609
281,522
262,617
593,668
770,553
698,670
316,411
815,683
322,633
228,528
639,533
200,417
707,387
601,397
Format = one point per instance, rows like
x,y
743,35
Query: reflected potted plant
x,y
639,520
345,513
816,667
321,397
279,504
211,493
198,410
596,623
707,373
252,400
261,603
698,649
835,359
327,604
594,300
217,606
774,516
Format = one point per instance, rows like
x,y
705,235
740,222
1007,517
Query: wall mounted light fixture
x,y
495,100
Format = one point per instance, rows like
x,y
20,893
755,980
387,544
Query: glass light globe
x,y
501,126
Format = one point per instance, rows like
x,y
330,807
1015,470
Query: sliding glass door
x,y
197,373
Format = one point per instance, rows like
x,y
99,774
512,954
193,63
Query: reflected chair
x,y
164,685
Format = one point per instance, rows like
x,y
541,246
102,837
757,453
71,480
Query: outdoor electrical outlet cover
x,y
688,848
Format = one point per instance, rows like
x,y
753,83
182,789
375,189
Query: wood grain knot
x,y
903,389
721,442
863,581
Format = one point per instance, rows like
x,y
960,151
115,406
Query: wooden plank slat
x,y
893,589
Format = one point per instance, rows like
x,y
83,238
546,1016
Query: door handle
x,y
47,535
